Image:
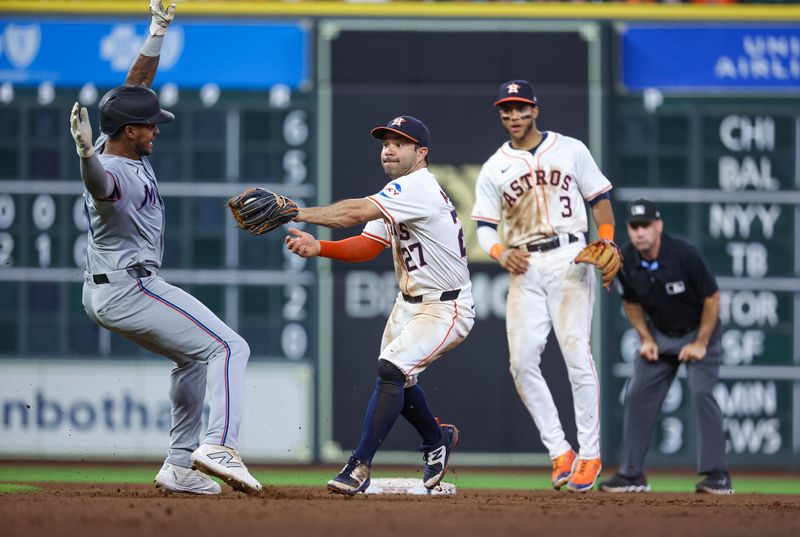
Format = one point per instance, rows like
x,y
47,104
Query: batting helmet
x,y
130,104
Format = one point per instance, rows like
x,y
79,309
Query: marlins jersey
x,y
421,225
539,193
127,228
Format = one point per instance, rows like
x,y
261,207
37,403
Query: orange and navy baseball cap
x,y
519,91
408,126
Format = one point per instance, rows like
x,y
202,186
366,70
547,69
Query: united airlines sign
x,y
710,57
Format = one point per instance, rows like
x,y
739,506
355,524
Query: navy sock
x,y
418,414
383,410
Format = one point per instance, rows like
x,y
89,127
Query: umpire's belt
x,y
121,275
552,243
433,297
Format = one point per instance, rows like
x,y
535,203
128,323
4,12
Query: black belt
x,y
135,272
447,295
549,244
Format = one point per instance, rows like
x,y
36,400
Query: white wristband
x,y
152,46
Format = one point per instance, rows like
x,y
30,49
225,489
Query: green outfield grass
x,y
16,478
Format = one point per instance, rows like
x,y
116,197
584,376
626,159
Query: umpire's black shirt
x,y
670,289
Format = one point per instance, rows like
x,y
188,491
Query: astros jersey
x,y
421,225
539,193
127,228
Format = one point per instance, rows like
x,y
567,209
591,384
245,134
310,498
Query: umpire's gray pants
x,y
647,388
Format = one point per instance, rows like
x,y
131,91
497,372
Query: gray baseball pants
x,y
647,388
167,320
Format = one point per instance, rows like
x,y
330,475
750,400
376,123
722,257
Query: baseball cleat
x,y
563,466
437,459
718,482
623,483
226,464
353,478
586,473
178,479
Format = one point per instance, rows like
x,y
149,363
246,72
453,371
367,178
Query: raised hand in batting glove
x,y
161,17
81,130
605,255
257,210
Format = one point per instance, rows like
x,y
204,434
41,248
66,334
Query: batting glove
x,y
81,130
161,17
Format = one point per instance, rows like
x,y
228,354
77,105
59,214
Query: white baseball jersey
x,y
421,224
539,193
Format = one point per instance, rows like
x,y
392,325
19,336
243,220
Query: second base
x,y
407,485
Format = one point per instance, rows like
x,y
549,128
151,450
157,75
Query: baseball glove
x,y
605,255
257,210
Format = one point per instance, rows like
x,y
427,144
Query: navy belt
x,y
135,272
447,295
549,244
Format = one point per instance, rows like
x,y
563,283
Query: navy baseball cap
x,y
642,210
408,126
519,91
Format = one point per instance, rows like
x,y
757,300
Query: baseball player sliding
x,y
536,184
122,291
433,312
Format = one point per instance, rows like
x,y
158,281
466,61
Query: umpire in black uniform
x,y
672,300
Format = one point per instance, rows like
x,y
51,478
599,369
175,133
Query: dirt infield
x,y
91,510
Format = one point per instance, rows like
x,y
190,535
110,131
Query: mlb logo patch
x,y
675,288
392,190
637,210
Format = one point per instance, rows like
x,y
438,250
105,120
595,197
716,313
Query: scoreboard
x,y
725,175
215,148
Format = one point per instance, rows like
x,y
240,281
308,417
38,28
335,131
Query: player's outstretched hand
x,y
161,17
81,130
514,260
302,243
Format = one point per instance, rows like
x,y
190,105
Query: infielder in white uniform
x,y
123,292
434,309
536,184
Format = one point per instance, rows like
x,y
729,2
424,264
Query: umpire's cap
x,y
518,90
407,126
642,211
130,104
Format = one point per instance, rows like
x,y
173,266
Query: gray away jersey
x,y
127,228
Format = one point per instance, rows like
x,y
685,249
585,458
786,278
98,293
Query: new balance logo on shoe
x,y
437,459
224,458
226,464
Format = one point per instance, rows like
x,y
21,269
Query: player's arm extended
x,y
143,70
345,213
99,184
351,249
